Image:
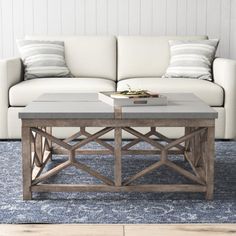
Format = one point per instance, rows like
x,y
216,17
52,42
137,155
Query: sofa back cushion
x,y
88,56
142,56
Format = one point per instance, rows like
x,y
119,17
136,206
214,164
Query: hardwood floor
x,y
119,230
180,230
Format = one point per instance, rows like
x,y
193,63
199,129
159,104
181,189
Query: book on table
x,y
129,98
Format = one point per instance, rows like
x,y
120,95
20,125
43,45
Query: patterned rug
x,y
120,208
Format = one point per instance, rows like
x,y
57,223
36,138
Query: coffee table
x,y
85,110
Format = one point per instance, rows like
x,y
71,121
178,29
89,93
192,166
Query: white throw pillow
x,y
43,59
191,59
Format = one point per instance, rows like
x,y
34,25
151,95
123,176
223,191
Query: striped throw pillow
x,y
191,59
43,59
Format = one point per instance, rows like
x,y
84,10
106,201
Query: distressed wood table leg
x,y
49,131
210,156
117,156
202,147
26,163
193,145
197,154
187,142
39,147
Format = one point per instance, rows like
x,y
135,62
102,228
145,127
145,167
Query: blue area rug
x,y
117,207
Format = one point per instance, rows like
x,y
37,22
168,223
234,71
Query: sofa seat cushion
x,y
23,93
209,92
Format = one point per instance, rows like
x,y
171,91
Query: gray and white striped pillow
x,y
43,59
191,59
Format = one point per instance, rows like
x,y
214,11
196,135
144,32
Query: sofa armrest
x,y
224,71
10,74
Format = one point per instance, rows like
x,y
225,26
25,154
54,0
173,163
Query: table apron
x,y
118,123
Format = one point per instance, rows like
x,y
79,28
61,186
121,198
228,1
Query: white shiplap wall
x,y
216,18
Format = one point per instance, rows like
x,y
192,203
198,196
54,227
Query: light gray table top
x,y
87,106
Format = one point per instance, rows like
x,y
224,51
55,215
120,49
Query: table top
x,y
87,106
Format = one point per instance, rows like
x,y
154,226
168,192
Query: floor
x,y
119,230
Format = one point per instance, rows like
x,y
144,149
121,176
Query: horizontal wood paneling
x,y
215,18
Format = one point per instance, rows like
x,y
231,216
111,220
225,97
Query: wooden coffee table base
x,y
197,146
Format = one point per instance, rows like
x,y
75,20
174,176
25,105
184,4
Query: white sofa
x,y
109,63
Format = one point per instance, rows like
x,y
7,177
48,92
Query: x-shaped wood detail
x,y
41,153
198,177
38,177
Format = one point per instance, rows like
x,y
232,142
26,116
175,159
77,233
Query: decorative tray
x,y
133,98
